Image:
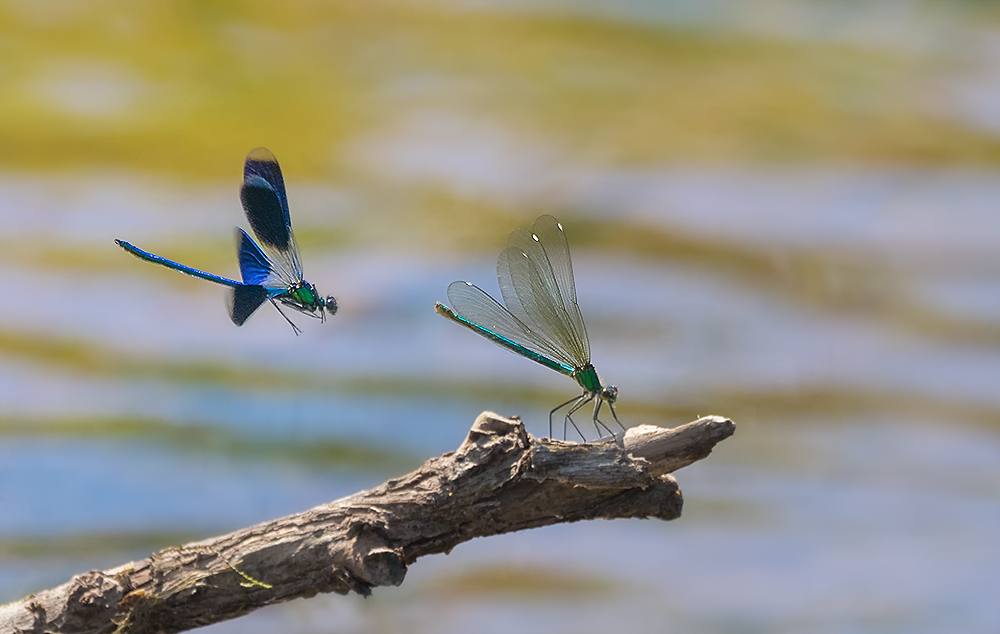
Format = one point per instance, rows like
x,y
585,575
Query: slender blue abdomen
x,y
170,264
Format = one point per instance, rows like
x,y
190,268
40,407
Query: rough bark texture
x,y
501,479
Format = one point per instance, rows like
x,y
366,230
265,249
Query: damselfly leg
x,y
573,401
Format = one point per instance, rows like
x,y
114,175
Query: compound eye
x,y
331,304
610,394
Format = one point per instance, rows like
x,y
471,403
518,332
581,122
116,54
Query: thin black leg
x,y
597,422
615,415
294,327
583,400
574,399
299,308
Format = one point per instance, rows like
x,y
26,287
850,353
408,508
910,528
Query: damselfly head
x,y
330,304
610,393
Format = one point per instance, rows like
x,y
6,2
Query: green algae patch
x,y
81,357
178,87
237,445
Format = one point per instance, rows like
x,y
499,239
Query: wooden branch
x,y
501,479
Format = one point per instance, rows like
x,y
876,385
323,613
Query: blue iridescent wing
x,y
255,266
266,207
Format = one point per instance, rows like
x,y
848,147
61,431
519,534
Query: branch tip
x,y
499,480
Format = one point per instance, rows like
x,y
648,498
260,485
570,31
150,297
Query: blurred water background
x,y
781,211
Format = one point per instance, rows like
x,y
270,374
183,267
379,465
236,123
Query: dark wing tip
x,y
261,154
261,162
265,212
244,301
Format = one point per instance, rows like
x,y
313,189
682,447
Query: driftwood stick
x,y
501,479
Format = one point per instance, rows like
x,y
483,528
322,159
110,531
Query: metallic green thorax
x,y
587,378
304,294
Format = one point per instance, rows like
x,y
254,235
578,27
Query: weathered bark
x,y
501,479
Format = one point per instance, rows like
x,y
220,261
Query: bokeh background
x,y
781,211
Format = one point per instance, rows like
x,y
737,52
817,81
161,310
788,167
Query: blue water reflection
x,y
825,524
847,318
882,518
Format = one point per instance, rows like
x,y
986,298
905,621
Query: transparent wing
x,y
474,304
552,237
266,207
536,279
